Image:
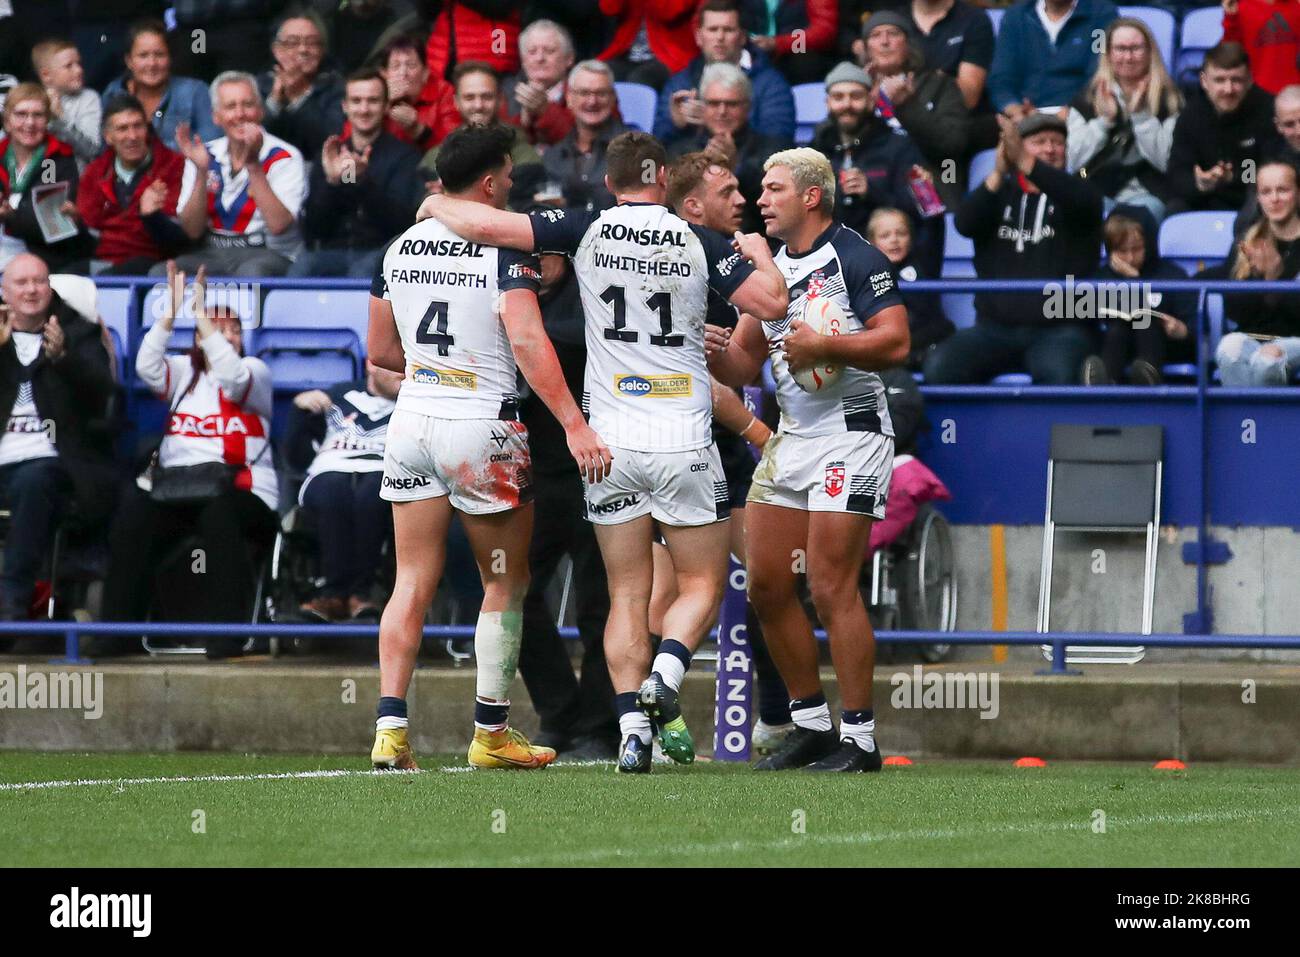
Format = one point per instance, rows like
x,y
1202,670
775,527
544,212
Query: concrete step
x,y
1244,712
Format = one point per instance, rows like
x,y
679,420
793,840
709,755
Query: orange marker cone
x,y
898,760
1030,763
1170,764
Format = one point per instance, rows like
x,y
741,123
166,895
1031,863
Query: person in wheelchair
x,y
336,438
213,476
56,382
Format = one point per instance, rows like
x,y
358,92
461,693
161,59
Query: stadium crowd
x,y
259,138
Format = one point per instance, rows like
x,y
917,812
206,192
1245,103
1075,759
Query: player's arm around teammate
x,y
383,344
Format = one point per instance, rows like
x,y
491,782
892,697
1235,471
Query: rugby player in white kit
x,y
454,316
644,275
825,475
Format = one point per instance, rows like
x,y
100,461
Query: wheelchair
x,y
911,584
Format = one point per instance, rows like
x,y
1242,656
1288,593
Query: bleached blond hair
x,y
808,168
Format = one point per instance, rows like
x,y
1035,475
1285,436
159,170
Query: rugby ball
x,y
826,319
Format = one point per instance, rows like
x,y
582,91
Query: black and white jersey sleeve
x,y
727,268
845,268
559,230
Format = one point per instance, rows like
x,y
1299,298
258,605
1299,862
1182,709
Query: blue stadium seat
x,y
1202,29
298,371
308,358
958,263
119,353
1197,240
1161,23
242,297
981,164
318,309
113,308
181,340
636,104
1214,309
809,110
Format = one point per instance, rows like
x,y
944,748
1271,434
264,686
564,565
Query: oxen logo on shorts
x,y
834,478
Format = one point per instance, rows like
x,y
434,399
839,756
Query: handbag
x,y
193,484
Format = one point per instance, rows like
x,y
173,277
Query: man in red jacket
x,y
1270,32
128,194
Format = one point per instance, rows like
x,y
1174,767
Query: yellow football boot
x,y
507,749
392,752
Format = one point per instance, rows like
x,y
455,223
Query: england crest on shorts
x,y
834,478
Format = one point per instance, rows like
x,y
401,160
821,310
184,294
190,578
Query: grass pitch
x,y
934,813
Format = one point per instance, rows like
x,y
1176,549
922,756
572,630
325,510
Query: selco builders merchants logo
x,y
450,378
654,386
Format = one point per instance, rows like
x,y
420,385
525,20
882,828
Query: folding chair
x,y
1103,478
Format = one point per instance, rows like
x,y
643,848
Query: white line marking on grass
x,y
201,778
120,783
880,837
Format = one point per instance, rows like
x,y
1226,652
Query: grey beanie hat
x,y
848,73
892,18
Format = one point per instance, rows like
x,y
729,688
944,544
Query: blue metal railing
x,y
73,631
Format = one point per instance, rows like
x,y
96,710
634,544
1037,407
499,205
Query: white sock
x,y
635,722
389,722
863,735
817,718
496,652
671,669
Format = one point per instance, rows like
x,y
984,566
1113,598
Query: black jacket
x,y
925,316
936,118
752,150
1018,235
368,213
313,121
73,392
885,155
22,222
582,181
1265,313
1203,138
1181,305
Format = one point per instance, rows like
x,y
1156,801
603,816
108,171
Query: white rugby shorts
x,y
845,472
483,464
675,488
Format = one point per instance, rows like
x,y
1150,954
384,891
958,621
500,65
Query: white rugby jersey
x,y
644,275
226,417
843,267
233,217
446,296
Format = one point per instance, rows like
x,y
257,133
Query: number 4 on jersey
x,y
662,302
441,339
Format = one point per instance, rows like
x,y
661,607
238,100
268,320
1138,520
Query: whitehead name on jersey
x,y
644,276
843,267
446,296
